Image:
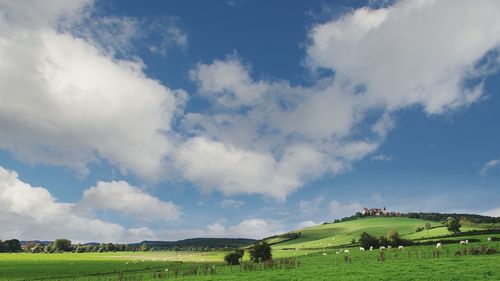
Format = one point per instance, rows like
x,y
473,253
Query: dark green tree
x,y
61,245
260,252
234,257
366,241
453,225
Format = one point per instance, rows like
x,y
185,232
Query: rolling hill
x,y
342,233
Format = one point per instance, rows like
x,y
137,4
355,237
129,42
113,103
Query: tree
x,y
260,252
11,246
453,225
393,238
367,241
427,227
145,247
61,245
234,257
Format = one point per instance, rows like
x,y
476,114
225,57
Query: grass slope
x,y
335,234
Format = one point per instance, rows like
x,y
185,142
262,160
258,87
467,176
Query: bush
x,y
260,252
367,241
234,257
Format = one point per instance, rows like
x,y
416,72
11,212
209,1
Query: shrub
x,y
260,252
234,257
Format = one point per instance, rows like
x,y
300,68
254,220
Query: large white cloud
x,y
67,102
413,52
383,60
33,213
121,197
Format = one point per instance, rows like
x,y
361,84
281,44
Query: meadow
x,y
318,254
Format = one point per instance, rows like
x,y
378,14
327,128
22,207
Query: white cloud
x,y
120,197
488,166
33,213
406,54
250,228
254,228
231,203
215,165
339,209
66,102
411,53
492,212
308,206
228,82
305,224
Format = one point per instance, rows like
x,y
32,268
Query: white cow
x,y
346,251
324,254
389,247
462,242
489,239
371,248
466,241
401,247
337,252
382,248
361,248
438,245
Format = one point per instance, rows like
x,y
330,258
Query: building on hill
x,y
378,212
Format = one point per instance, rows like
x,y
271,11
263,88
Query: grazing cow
x,y
489,239
382,248
389,247
337,252
346,251
401,247
438,245
466,241
324,254
361,248
371,248
462,242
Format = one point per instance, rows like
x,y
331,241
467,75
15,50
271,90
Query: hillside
x,y
342,233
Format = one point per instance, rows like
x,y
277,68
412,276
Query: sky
x,y
124,121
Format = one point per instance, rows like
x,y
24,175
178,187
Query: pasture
x,y
411,263
336,234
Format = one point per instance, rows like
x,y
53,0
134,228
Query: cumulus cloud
x,y
340,209
33,213
250,228
410,53
67,102
402,54
488,166
121,197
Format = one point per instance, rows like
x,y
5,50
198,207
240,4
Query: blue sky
x,y
125,121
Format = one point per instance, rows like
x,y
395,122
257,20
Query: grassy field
x,y
412,263
313,256
329,235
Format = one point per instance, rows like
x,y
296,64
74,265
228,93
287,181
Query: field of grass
x,y
313,256
412,263
329,235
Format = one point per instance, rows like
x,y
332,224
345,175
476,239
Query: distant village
x,y
380,212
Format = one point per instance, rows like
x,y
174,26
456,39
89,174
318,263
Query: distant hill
x,y
211,243
43,243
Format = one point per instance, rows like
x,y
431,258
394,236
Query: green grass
x,y
314,253
412,263
329,235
